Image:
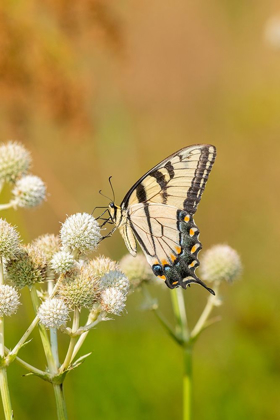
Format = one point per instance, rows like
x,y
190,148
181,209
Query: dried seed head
x,y
53,313
29,191
80,233
221,262
9,300
112,301
62,262
9,240
136,269
49,244
102,265
80,289
15,161
115,279
27,267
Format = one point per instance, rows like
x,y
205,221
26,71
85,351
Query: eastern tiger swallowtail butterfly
x,y
158,212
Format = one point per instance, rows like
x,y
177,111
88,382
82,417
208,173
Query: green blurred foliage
x,y
95,89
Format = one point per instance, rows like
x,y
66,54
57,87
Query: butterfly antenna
x,y
100,192
110,182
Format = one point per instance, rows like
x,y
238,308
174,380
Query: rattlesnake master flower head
x,y
27,267
49,244
115,279
113,301
9,240
62,262
221,262
29,191
80,233
102,265
136,269
9,300
15,161
53,313
80,289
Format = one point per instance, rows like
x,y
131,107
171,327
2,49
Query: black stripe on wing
x,y
201,172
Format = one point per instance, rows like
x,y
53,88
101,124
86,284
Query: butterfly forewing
x,y
159,210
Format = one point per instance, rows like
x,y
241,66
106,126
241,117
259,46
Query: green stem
x,y
53,332
53,367
4,388
91,318
7,206
43,333
69,355
60,402
32,325
26,365
177,299
5,394
200,325
187,383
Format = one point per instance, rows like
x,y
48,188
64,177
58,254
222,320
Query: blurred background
x,y
97,88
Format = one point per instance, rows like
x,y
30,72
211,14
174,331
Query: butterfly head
x,y
115,213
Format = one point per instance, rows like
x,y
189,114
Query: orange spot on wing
x,y
191,232
193,249
187,218
192,264
178,249
164,262
162,277
175,282
173,257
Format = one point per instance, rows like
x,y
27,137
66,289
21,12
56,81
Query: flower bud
x,y
29,191
80,233
27,267
53,313
80,289
221,262
62,262
48,244
136,269
9,300
15,161
115,279
112,301
102,265
9,240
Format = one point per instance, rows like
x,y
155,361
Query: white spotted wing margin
x,y
158,210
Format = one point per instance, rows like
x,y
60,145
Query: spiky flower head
x,y
80,289
102,265
27,267
115,279
221,262
113,301
29,191
80,233
9,300
49,244
136,269
53,313
9,240
62,262
15,161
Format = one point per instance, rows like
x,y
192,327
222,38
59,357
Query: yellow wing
x,y
178,181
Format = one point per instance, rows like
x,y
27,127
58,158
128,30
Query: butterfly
x,y
158,210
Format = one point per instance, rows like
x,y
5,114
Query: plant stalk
x,y
187,384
